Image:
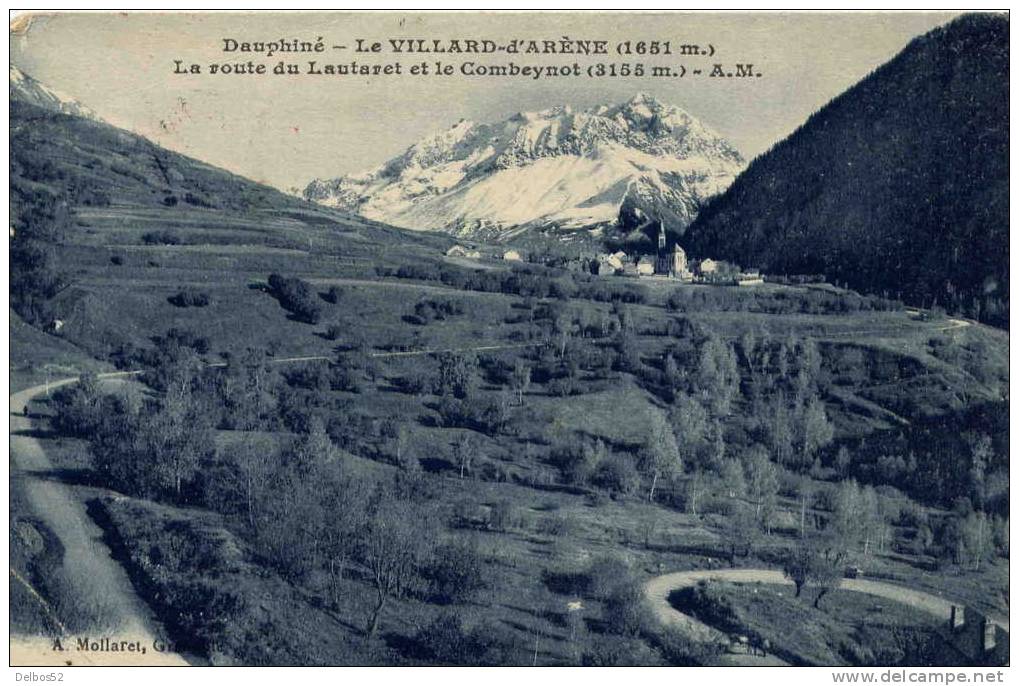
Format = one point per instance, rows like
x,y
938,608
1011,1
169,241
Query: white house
x,y
461,251
707,266
512,255
608,264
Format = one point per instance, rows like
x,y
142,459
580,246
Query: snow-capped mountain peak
x,y
24,88
559,168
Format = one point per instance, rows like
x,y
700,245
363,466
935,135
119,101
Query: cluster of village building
x,y
669,262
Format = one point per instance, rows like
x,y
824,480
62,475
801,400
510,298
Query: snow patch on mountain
x,y
24,88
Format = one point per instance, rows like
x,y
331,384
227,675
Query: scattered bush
x,y
504,516
333,295
616,651
456,572
161,238
192,199
605,575
617,474
625,610
446,641
679,650
297,297
189,297
436,309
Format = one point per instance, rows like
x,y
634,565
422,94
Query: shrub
x,y
436,310
447,641
80,407
189,298
625,610
617,474
504,516
333,295
176,338
192,199
578,462
456,572
600,580
565,581
558,524
161,238
679,650
297,297
344,378
613,651
705,602
562,387
93,197
605,575
313,377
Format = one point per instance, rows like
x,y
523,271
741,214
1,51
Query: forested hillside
x,y
898,186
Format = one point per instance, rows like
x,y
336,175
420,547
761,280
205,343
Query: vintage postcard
x,y
509,339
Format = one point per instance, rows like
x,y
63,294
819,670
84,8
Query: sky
x,y
287,130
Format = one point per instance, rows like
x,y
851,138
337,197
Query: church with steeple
x,y
670,261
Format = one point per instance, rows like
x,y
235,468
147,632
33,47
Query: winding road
x,y
100,585
657,591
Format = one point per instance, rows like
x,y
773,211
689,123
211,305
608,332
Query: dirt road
x,y
657,591
99,583
101,586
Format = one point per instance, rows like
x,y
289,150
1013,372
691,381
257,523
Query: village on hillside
x,y
669,262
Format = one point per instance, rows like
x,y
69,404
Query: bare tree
x,y
798,567
827,574
843,461
762,479
253,472
732,478
695,490
520,379
391,550
981,455
562,327
659,458
464,451
401,443
804,496
741,533
175,438
816,431
346,502
780,430
817,563
646,526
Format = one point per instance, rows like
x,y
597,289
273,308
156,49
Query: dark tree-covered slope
x,y
898,186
